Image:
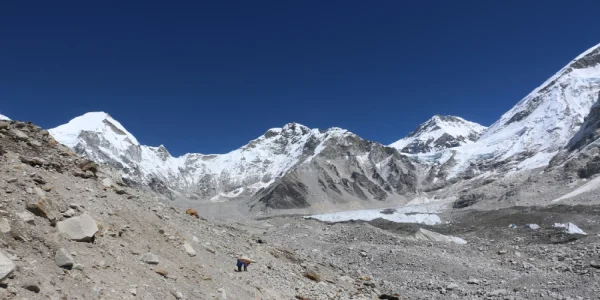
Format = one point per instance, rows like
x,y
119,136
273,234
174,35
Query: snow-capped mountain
x,y
3,117
533,131
358,168
298,167
438,133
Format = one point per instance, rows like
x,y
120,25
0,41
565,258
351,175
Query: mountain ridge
x,y
298,167
438,133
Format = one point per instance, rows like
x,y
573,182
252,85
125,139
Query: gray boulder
x,y
4,225
81,228
6,266
150,259
64,259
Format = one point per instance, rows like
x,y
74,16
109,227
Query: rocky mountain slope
x,y
439,133
73,230
289,167
70,229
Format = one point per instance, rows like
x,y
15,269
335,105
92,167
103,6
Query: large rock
x,y
188,248
33,161
27,217
81,228
38,207
64,259
4,225
150,259
4,124
18,134
6,266
107,182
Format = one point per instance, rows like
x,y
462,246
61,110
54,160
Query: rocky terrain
x,y
71,229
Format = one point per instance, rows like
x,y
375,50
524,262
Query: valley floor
x,y
498,262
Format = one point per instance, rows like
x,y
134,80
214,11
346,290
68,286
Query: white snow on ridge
x,y
99,122
3,117
436,127
541,123
255,164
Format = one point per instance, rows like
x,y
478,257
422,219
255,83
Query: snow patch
x,y
569,228
426,235
418,213
3,117
369,215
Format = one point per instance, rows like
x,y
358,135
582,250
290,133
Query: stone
x,y
452,286
150,259
363,253
69,213
32,286
4,124
211,250
133,291
312,276
79,267
107,182
178,295
4,225
18,134
88,165
6,266
40,192
47,188
192,212
35,143
119,190
33,161
502,251
38,207
195,239
473,281
27,217
188,248
161,271
64,259
82,228
595,264
499,292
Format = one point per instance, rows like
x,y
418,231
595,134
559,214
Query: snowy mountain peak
x,y
438,133
3,117
97,122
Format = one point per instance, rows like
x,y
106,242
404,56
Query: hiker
x,y
243,262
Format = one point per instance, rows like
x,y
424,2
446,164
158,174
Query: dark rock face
x,y
589,60
286,194
467,200
582,154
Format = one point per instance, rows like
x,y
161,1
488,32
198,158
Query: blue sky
x,y
208,77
